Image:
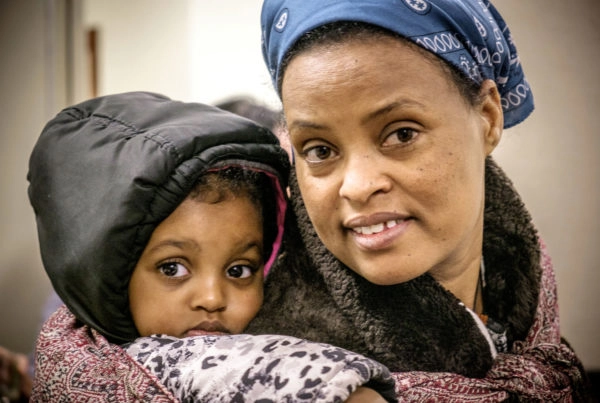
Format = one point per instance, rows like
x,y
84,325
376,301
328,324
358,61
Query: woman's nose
x,y
208,295
363,177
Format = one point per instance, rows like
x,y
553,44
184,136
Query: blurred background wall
x,y
59,52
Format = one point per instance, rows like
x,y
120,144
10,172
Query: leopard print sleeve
x,y
266,368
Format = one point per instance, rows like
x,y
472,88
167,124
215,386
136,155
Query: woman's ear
x,y
490,107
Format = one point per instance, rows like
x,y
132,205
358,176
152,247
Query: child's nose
x,y
209,295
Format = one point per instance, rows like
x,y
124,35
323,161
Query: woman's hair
x,y
339,32
231,182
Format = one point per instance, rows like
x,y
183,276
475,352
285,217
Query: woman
x,y
412,246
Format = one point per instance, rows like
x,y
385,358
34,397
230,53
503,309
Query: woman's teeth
x,y
374,229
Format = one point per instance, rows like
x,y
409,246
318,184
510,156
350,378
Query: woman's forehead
x,y
362,67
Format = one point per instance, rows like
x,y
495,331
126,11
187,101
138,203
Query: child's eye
x,y
240,271
173,269
402,136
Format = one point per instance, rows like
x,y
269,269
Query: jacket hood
x,y
104,173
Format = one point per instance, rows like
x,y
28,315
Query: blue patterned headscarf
x,y
469,34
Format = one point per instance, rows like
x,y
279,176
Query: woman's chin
x,y
378,275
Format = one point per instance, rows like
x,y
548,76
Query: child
x,y
158,219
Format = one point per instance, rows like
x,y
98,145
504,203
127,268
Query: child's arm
x,y
274,367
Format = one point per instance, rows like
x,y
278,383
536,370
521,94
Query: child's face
x,y
201,272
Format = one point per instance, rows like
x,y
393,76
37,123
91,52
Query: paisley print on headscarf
x,y
469,34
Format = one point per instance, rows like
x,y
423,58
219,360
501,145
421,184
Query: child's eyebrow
x,y
189,244
173,243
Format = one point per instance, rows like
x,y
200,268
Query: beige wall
x,y
201,50
554,156
28,98
193,50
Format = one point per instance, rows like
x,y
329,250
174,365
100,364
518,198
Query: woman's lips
x,y
376,228
377,231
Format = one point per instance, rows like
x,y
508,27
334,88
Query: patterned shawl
x,y
75,363
541,368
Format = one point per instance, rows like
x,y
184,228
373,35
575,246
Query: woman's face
x,y
390,158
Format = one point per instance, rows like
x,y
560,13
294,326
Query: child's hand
x,y
365,395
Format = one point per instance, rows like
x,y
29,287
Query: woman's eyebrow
x,y
305,124
403,103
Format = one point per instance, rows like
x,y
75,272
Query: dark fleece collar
x,y
417,325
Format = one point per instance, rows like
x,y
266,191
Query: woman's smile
x,y
379,236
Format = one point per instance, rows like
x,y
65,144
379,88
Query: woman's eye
x,y
240,271
401,136
318,153
173,269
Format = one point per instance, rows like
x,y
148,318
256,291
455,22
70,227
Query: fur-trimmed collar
x,y
417,325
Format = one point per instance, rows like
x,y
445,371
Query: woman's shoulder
x,y
76,363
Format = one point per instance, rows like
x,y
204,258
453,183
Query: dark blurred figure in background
x,y
15,381
250,108
16,369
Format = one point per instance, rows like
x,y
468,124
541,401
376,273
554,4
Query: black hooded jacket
x,y
104,173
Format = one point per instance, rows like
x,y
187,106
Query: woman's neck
x,y
464,284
